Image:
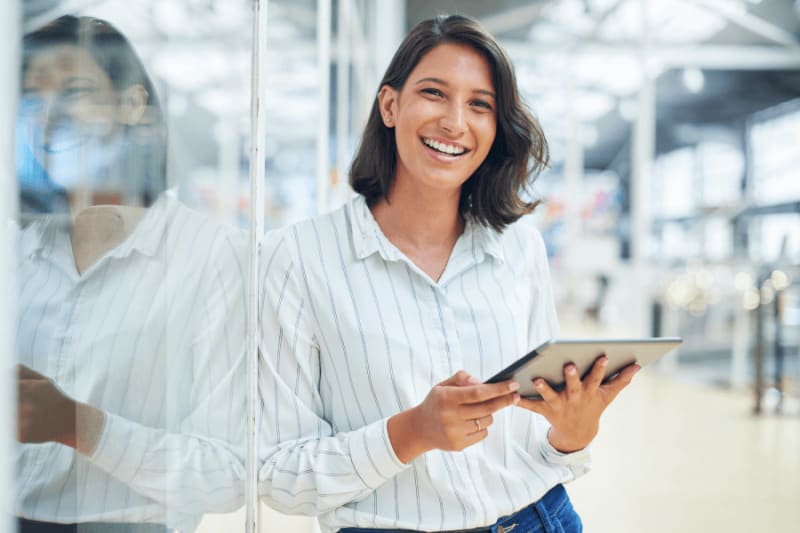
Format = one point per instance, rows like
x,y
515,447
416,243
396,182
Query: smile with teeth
x,y
447,149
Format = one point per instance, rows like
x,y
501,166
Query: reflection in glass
x,y
131,326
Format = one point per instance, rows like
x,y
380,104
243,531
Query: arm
x,y
308,465
198,463
544,325
566,422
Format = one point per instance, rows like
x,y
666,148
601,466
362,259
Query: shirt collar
x,y
41,236
369,239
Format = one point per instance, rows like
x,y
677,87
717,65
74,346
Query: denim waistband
x,y
539,512
33,526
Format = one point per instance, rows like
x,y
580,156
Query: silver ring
x,y
477,423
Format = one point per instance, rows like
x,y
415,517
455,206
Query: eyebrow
x,y
442,82
79,79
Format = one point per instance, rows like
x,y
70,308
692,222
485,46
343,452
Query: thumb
x,y
460,379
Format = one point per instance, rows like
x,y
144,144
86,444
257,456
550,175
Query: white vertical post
x,y
389,28
342,92
573,179
323,122
257,174
10,22
741,346
227,169
642,154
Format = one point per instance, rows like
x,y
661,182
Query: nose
x,y
454,120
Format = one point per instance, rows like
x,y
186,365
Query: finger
x,y
573,380
461,378
481,393
620,381
595,377
478,410
537,406
24,372
475,438
479,424
544,390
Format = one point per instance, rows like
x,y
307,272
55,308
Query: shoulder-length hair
x,y
494,194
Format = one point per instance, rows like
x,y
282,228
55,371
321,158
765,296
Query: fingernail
x,y
603,361
473,380
571,370
538,384
513,386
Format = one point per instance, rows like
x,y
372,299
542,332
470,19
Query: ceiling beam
x,y
750,22
514,18
713,57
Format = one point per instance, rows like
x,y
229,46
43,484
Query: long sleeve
x,y
307,466
544,326
195,461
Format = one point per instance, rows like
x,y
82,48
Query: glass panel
x,y
131,157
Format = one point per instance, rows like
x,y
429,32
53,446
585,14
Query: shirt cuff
x,y
579,462
120,449
373,456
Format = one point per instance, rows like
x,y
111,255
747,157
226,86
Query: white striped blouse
x,y
154,335
353,332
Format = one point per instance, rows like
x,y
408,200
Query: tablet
x,y
547,361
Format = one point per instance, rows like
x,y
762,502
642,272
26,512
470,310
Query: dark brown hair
x,y
493,195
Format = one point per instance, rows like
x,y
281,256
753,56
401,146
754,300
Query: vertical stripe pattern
x,y
381,333
153,334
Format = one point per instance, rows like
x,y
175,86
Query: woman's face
x,y
67,91
444,117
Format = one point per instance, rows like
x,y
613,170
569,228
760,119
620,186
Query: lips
x,y
449,149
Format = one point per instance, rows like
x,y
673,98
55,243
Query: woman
x,y
390,311
130,331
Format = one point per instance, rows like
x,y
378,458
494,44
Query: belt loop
x,y
544,518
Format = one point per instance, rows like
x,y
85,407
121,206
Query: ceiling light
x,y
693,79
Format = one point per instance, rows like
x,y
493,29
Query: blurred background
x,y
671,206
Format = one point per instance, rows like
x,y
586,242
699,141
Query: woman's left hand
x,y
574,413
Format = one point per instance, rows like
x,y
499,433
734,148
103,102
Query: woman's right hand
x,y
455,414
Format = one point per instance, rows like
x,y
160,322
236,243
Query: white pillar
x,y
323,120
227,169
389,25
642,154
258,132
343,97
9,65
573,181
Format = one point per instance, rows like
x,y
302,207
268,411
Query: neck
x,y
419,219
98,229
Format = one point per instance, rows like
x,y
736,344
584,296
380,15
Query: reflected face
x,y
444,117
65,88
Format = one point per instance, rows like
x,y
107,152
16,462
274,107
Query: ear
x,y
387,105
132,105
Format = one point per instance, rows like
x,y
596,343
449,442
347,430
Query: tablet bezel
x,y
548,359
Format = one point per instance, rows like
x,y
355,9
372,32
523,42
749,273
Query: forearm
x,y
314,475
89,422
403,429
185,470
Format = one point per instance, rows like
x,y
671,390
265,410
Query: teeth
x,y
444,148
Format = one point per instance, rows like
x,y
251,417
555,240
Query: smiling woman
x,y
380,319
517,148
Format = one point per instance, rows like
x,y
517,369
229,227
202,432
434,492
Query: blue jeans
x,y
552,514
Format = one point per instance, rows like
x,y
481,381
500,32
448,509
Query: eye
x,y
483,104
432,91
77,92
